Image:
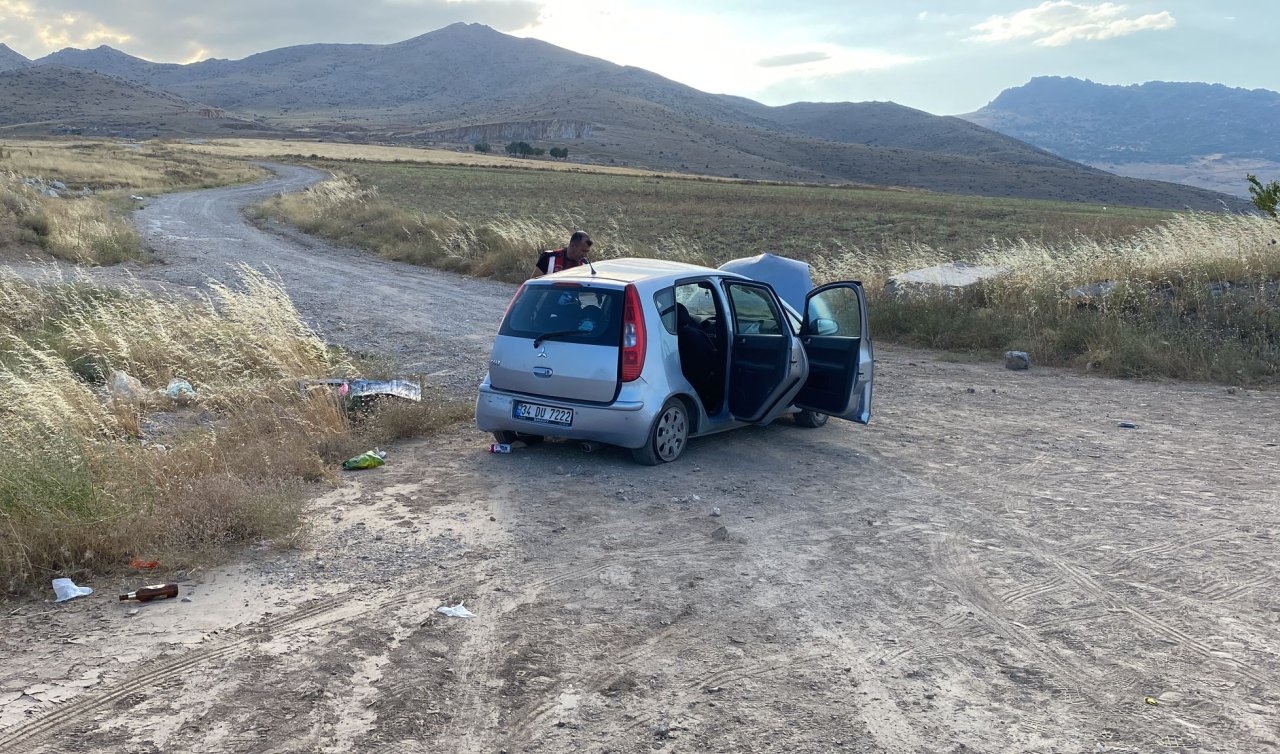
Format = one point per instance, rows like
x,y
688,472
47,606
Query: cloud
x,y
795,58
172,32
1057,23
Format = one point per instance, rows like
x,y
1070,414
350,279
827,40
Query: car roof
x,y
636,270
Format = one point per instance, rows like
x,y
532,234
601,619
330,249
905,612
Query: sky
x,y
944,57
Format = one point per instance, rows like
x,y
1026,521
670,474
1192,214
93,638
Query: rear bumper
x,y
624,422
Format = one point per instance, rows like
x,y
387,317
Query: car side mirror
x,y
822,326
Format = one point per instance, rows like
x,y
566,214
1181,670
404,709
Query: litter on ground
x,y
367,460
66,589
457,611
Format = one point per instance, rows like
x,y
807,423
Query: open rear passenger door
x,y
837,340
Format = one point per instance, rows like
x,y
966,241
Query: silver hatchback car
x,y
646,354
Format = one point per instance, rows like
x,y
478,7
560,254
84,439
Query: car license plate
x,y
536,412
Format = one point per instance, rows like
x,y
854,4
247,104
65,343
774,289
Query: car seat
x,y
700,361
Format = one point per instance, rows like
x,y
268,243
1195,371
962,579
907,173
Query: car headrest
x,y
683,317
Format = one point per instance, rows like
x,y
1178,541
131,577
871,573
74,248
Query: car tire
x,y
667,438
810,419
506,437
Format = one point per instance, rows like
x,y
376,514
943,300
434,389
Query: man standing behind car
x,y
573,255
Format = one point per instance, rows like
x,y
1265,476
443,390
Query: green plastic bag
x,y
369,460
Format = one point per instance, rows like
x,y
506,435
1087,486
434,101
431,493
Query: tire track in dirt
x,y
1087,584
320,614
954,563
1090,586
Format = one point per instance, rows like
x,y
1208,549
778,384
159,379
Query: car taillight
x,y
633,335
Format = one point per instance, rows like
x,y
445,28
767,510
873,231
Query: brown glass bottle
x,y
153,592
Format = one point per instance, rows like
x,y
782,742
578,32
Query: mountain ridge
x,y
461,82
1210,134
10,59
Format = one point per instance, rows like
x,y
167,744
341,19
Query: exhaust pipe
x,y
589,446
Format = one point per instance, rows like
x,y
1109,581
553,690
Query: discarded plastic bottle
x,y
153,592
500,447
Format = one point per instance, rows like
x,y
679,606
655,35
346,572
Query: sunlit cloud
x,y
797,58
10,9
1057,23
58,36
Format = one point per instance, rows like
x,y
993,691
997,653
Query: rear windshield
x,y
576,314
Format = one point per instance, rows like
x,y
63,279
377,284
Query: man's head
x,y
579,246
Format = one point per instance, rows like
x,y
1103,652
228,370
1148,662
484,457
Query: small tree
x,y
537,151
481,146
1265,198
559,152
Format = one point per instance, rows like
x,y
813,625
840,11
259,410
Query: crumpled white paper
x,y
457,611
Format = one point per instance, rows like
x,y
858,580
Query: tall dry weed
x,y
1197,298
81,487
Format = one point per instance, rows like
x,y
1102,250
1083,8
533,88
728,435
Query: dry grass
x,y
1168,315
1195,298
282,149
346,211
139,167
95,229
87,479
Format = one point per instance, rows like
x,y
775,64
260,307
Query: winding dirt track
x,y
421,320
993,565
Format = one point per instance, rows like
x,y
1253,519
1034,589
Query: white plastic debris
x,y
66,589
124,387
457,611
180,391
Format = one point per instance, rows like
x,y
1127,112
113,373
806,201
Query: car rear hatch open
x,y
560,340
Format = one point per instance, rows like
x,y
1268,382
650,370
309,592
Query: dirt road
x,y
993,565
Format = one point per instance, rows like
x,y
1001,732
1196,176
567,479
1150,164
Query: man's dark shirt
x,y
563,262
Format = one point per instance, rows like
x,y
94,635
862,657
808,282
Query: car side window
x,y
697,299
666,301
754,311
834,312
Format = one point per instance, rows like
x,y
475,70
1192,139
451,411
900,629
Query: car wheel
x,y
668,437
506,437
810,419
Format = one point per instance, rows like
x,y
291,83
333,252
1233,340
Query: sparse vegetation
x,y
1195,298
345,210
89,223
1265,198
1195,295
87,479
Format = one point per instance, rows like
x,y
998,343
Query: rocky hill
x,y
1152,129
10,59
63,100
468,83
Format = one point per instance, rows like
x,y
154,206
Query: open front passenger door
x,y
837,341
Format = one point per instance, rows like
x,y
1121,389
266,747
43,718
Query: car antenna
x,y
592,266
